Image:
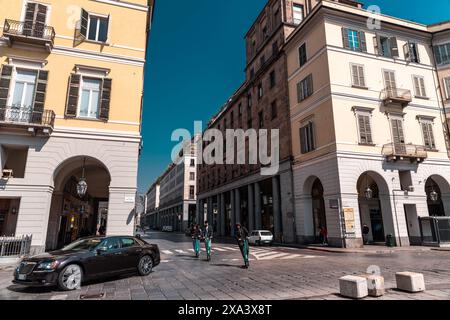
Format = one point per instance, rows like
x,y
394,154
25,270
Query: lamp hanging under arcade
x,y
368,193
82,184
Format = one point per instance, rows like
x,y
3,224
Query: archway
x,y
437,190
73,216
374,208
318,209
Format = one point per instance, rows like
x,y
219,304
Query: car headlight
x,y
47,265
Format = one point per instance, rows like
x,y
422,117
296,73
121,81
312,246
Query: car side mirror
x,y
101,250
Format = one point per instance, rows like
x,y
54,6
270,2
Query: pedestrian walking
x,y
242,240
365,232
196,235
323,234
207,235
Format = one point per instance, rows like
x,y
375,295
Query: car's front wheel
x,y
70,277
145,265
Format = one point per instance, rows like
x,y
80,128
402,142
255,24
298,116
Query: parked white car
x,y
259,237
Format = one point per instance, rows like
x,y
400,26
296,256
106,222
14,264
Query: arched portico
x,y
437,190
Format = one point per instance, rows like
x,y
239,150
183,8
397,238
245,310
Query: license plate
x,y
22,277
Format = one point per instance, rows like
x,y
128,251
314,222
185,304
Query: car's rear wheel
x,y
145,265
70,277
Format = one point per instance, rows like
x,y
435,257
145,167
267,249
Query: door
x,y
131,252
107,262
389,83
376,220
35,18
398,136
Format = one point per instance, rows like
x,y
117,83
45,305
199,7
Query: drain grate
x,y
92,296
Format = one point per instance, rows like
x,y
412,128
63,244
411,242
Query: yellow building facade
x,y
71,90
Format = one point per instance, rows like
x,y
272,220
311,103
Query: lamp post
x,y
368,193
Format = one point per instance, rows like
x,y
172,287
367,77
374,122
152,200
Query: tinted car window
x,y
85,244
127,242
110,244
266,233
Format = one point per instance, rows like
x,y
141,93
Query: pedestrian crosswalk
x,y
256,253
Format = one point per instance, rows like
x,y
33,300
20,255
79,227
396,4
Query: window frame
x,y
12,87
300,6
364,112
428,122
80,93
447,87
308,127
422,95
300,60
358,65
99,17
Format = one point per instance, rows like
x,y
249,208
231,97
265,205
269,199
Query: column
x,y
251,209
237,198
222,214
257,206
276,208
233,212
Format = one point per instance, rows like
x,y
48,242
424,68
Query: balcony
x,y
20,117
396,96
401,151
28,32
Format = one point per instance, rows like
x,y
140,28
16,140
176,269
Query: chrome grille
x,y
26,267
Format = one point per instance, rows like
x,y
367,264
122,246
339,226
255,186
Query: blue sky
x,y
196,60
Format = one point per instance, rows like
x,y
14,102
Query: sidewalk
x,y
373,249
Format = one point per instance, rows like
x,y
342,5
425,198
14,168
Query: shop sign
x,y
349,220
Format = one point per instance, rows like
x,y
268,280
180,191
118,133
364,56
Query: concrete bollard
x,y
353,287
410,281
375,285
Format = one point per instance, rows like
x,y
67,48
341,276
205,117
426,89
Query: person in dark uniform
x,y
207,235
365,232
242,240
196,235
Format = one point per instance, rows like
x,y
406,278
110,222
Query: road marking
x,y
165,261
230,248
219,249
180,251
274,256
263,253
292,256
166,251
59,297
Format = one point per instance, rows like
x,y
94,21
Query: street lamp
x,y
434,195
82,184
368,193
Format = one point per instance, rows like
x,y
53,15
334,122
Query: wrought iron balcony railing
x,y
400,151
26,116
29,32
396,96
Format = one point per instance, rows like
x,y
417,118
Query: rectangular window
x,y
419,86
89,98
447,87
274,109
386,46
307,142
252,73
261,119
364,128
191,176
302,55
192,163
297,13
273,80
354,40
397,131
97,28
249,100
442,54
389,81
275,49
24,89
428,136
411,52
358,78
240,110
191,192
260,91
305,88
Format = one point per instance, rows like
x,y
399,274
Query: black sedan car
x,y
86,259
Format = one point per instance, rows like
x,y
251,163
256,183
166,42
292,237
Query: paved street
x,y
275,273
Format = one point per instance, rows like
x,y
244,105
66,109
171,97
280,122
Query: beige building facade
x,y
69,70
369,130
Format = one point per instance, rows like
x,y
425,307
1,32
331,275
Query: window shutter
x,y
312,144
414,52
368,129
29,18
377,45
105,99
309,85
417,86
362,129
394,46
84,23
407,52
397,131
362,40
362,81
39,96
431,134
41,16
302,140
345,39
5,81
447,87
422,87
72,95
299,92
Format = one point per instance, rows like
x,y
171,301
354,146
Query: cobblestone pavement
x,y
275,273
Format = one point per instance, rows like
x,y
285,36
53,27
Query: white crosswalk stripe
x,y
219,249
166,251
180,251
230,248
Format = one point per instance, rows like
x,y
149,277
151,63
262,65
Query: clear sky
x,y
196,61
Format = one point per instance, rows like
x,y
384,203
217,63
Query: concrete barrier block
x,y
353,287
375,285
410,281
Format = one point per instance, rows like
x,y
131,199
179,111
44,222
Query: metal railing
x,y
29,30
396,95
15,246
404,150
25,115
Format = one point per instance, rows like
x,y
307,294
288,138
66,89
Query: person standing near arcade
x,y
242,240
207,236
196,235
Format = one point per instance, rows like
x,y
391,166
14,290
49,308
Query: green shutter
x,y
84,23
345,40
5,81
362,40
39,96
73,95
105,99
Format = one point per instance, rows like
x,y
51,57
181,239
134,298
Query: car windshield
x,y
266,233
84,244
